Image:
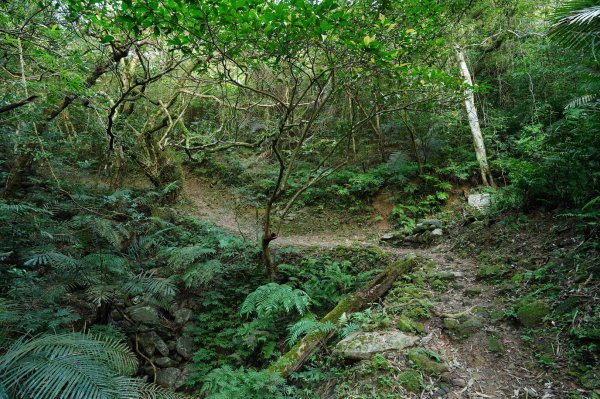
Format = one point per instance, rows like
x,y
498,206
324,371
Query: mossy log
x,y
299,353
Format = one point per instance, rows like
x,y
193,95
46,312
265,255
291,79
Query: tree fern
x,y
274,298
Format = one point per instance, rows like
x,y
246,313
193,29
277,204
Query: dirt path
x,y
215,204
477,369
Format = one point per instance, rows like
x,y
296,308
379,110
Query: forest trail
x,y
492,362
215,204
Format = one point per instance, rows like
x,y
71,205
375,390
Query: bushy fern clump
x,y
67,266
272,298
73,365
229,383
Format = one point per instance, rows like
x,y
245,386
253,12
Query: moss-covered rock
x,y
532,313
364,345
411,380
428,362
410,326
463,327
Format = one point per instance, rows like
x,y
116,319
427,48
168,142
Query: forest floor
x,y
490,361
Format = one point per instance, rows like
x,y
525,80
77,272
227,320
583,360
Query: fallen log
x,y
299,353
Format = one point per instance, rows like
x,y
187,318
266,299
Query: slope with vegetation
x,y
254,199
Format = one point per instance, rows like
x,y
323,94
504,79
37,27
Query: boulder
x,y
437,232
185,347
363,345
144,315
430,224
531,314
164,362
479,201
183,315
168,378
151,341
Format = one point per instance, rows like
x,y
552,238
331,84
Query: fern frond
x,y
153,286
105,262
306,326
274,298
69,366
202,273
151,391
141,246
577,23
186,256
100,293
581,101
55,259
9,312
22,208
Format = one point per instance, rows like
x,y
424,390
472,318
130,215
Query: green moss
x,y
450,323
495,345
463,327
446,276
410,326
590,380
567,305
490,272
531,314
439,285
378,362
411,380
428,362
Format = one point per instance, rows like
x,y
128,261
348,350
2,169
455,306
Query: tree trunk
x,y
299,353
268,236
479,144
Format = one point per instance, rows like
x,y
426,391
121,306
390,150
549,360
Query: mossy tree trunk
x,y
299,353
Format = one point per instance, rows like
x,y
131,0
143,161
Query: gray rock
x,y
388,237
115,315
168,377
479,201
144,314
183,315
431,223
151,341
363,345
185,373
164,362
420,228
185,347
437,232
172,345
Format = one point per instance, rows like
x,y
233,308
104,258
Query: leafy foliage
x,y
272,298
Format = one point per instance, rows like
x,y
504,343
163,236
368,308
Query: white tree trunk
x,y
478,142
